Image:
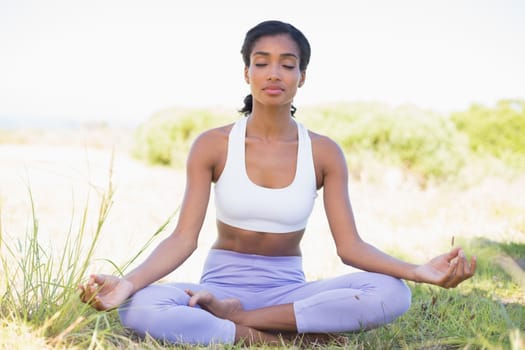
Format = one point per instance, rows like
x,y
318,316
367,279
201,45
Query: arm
x,y
176,248
106,292
447,270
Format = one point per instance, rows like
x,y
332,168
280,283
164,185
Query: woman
x,y
266,169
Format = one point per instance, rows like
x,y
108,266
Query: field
x,y
58,186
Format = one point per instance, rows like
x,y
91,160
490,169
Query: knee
x,y
130,317
142,309
135,313
396,295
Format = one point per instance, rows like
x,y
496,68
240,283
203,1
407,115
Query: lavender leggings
x,y
342,304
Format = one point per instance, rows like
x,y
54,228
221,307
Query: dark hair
x,y
272,28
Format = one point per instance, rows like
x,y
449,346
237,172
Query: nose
x,y
274,73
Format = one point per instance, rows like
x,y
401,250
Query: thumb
x,y
453,254
98,279
99,304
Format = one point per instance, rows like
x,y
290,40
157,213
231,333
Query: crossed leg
x,y
252,326
342,304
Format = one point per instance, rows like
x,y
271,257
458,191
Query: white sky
x,y
126,59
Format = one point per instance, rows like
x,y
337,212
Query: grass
x,y
40,308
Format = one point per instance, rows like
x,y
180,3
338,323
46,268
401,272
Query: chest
x,y
271,164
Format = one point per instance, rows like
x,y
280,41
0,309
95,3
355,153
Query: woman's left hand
x,y
447,270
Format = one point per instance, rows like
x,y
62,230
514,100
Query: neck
x,y
271,122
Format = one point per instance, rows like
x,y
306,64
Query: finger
x,y
100,305
473,265
461,270
462,263
91,280
99,280
82,292
92,291
446,281
469,265
452,254
470,268
97,304
467,270
85,295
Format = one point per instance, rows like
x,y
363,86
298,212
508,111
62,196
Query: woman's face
x,y
274,73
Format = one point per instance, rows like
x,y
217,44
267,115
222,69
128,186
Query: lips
x,y
273,89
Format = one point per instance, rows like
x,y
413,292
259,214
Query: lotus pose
x,y
266,170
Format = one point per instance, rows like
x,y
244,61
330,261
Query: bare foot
x,y
225,308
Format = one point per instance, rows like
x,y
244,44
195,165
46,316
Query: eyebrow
x,y
264,53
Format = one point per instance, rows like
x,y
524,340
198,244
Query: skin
x,y
271,154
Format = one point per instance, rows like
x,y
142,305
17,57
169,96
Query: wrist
x,y
414,275
131,285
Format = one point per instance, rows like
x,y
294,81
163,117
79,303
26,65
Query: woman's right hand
x,y
105,292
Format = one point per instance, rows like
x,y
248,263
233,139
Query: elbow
x,y
352,252
345,255
190,245
185,242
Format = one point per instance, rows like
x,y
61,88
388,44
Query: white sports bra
x,y
241,203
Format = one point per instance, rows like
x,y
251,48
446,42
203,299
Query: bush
x,y
165,139
420,141
495,131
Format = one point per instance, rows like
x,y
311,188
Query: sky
x,y
124,60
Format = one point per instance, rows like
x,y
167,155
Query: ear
x,y
246,78
303,79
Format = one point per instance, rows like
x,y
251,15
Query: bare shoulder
x,y
214,135
212,140
325,150
319,140
210,147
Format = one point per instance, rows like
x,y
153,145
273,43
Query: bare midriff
x,y
260,243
